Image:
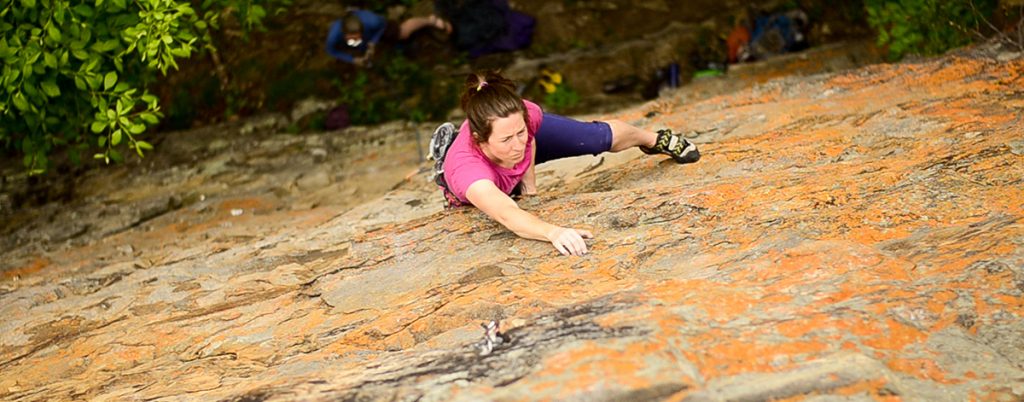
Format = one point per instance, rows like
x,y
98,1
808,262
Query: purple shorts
x,y
562,137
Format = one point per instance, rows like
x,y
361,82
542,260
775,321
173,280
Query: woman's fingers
x,y
563,243
580,235
580,245
570,241
560,247
575,242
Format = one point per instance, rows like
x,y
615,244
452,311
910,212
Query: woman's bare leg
x,y
626,136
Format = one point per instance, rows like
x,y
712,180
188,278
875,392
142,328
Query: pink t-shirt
x,y
465,163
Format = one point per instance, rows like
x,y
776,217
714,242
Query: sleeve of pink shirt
x,y
536,117
464,171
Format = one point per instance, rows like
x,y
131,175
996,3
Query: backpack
x,y
440,142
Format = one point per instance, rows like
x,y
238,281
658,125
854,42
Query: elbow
x,y
507,218
515,222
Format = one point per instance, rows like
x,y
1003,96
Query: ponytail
x,y
488,96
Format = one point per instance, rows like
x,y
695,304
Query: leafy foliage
x,y
557,94
75,73
562,98
400,89
925,27
249,13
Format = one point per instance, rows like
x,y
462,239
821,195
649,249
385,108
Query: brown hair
x,y
489,96
351,24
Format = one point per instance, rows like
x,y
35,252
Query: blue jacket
x,y
373,29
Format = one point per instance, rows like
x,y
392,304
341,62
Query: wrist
x,y
552,233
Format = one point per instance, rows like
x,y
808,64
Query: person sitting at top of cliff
x,y
483,27
505,136
768,35
354,37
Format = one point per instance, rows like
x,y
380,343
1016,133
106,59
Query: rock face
x,y
856,235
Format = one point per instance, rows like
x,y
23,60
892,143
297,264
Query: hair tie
x,y
481,85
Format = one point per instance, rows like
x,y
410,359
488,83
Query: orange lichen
x,y
896,336
799,327
35,266
593,363
924,369
734,356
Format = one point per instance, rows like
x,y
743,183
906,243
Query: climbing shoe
x,y
674,145
442,139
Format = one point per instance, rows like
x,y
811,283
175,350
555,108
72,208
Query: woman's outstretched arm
x,y
499,206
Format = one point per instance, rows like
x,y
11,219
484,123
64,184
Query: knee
x,y
621,128
616,125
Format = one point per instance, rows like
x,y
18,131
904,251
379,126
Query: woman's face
x,y
507,144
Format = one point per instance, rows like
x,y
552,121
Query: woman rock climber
x,y
504,137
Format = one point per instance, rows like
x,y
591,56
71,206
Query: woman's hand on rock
x,y
569,241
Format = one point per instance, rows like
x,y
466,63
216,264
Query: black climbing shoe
x,y
674,145
442,139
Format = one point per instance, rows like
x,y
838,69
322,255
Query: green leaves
x,y
137,128
50,88
106,46
925,26
46,46
54,33
50,60
72,72
20,102
149,118
83,11
109,80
